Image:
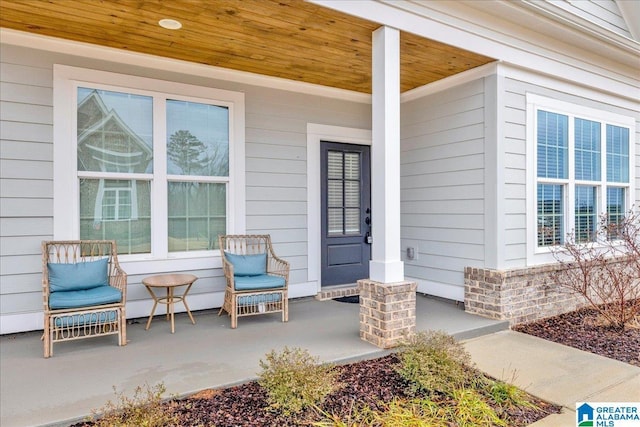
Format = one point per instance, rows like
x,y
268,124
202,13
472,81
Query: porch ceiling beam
x,y
386,266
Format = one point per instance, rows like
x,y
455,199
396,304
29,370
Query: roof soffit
x,y
488,26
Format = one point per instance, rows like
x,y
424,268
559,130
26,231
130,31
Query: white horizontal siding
x,y
276,169
442,183
470,177
26,226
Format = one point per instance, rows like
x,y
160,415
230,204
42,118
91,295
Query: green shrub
x,y
472,411
433,362
144,409
508,395
411,413
294,380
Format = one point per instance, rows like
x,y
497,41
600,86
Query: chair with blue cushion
x,y
257,280
84,291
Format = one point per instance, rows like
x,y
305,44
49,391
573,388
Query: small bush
x,y
472,411
411,413
508,395
294,380
144,409
433,362
606,274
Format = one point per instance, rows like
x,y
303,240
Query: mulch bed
x,y
581,329
368,382
375,382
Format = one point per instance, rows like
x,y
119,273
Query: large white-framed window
x,y
582,167
157,166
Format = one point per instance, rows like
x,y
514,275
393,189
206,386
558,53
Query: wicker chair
x,y
257,280
84,291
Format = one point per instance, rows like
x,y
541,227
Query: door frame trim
x,y
315,134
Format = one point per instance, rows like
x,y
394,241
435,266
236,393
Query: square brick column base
x,y
387,312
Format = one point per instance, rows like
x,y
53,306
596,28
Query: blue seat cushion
x,y
264,281
84,298
258,299
86,319
77,276
247,265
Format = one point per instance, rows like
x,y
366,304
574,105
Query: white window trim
x,y
316,133
65,177
542,255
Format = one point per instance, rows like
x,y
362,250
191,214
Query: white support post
x,y
386,265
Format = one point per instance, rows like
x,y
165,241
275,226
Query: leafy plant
x,y
144,409
294,380
605,274
433,362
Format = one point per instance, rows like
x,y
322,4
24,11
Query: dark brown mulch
x,y
583,330
368,382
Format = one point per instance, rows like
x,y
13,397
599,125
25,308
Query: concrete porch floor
x,y
81,374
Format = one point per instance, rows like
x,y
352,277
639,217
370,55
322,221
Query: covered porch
x,y
81,374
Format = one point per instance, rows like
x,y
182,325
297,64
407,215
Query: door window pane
x,y
352,221
115,131
587,150
617,154
197,215
552,145
585,214
334,193
334,164
197,139
335,221
352,166
117,210
352,194
550,214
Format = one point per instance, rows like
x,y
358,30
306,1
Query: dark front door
x,y
346,212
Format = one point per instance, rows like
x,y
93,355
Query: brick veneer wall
x,y
518,295
387,312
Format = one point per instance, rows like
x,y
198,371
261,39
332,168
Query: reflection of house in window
x,y
107,144
117,198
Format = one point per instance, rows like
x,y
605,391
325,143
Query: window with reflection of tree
x,y
122,165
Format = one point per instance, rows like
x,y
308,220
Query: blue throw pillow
x,y
247,265
78,276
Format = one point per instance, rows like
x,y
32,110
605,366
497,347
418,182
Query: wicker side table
x,y
169,282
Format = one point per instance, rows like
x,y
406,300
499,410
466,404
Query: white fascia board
x,y
457,24
87,50
558,11
582,89
630,11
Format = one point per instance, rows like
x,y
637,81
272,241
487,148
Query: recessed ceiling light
x,y
170,24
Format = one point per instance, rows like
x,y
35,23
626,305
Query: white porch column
x,y
386,266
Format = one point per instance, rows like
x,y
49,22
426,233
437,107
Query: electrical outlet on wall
x,y
412,254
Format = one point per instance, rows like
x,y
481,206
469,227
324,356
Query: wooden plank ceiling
x,y
290,39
